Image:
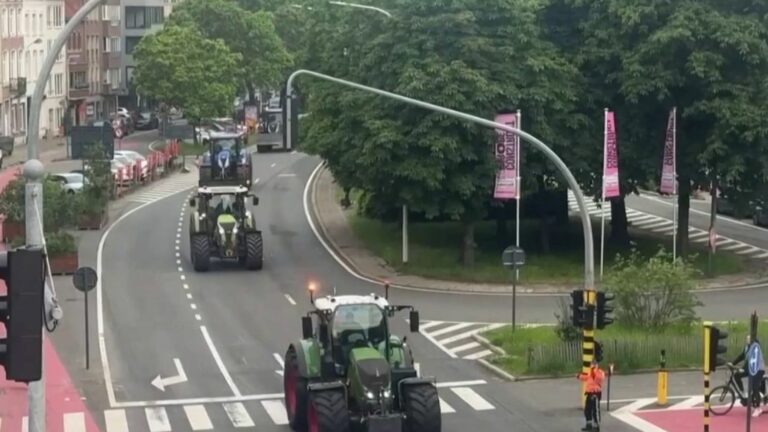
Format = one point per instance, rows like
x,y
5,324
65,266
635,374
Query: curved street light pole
x,y
33,194
354,5
589,261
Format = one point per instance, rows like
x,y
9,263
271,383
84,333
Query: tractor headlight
x,y
370,396
221,231
202,216
234,230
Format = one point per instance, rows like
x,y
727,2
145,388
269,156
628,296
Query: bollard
x,y
661,385
608,396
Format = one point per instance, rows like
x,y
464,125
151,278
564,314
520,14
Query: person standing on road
x,y
594,392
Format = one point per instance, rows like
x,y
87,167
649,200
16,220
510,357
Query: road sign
x,y
513,256
754,357
85,279
118,132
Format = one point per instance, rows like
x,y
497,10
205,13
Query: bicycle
x,y
729,391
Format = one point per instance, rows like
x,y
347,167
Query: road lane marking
x,y
472,398
256,181
450,329
198,317
181,269
157,419
279,359
276,411
183,277
178,261
186,287
238,415
445,408
219,362
198,417
460,383
430,324
688,403
193,306
290,299
273,165
287,175
74,422
189,296
470,333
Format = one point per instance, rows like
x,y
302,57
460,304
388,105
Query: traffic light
x,y
604,310
717,345
582,315
598,351
21,310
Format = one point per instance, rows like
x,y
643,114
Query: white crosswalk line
x,y
688,403
736,246
25,424
116,420
74,422
276,411
698,234
465,347
750,250
238,415
640,218
477,355
724,241
653,224
157,419
472,398
430,324
450,329
469,333
198,417
762,255
445,408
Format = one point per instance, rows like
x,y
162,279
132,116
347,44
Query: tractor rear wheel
x,y
295,390
422,408
254,251
327,412
201,252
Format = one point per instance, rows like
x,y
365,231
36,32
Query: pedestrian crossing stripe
x,y
164,189
457,339
664,226
203,417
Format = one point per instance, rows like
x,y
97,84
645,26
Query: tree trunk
x,y
683,207
544,219
251,92
468,245
619,231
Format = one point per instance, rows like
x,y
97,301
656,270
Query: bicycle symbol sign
x,y
753,359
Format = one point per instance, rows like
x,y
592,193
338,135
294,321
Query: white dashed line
x,y
186,287
197,317
193,306
178,254
177,246
189,296
273,165
256,181
178,261
181,269
290,299
178,241
183,277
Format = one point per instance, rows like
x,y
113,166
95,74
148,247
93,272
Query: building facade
x,y
13,89
140,17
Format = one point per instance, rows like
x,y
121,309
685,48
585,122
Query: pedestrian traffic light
x,y
598,351
716,345
582,315
21,310
604,310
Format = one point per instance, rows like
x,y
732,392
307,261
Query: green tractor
x,y
349,373
221,226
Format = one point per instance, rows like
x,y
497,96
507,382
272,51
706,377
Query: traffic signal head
x,y
717,346
598,351
604,309
582,314
21,310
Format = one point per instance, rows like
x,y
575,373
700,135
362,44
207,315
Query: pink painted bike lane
x,y
63,400
692,420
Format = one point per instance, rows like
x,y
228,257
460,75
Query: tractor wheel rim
x,y
312,419
290,392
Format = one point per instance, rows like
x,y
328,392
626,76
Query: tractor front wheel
x,y
254,251
201,252
327,412
422,408
295,390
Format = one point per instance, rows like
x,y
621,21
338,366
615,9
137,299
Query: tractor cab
x,y
226,162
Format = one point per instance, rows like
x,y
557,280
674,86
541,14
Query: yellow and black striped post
x,y
588,344
707,366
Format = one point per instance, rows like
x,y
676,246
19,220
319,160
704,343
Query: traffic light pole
x,y
707,349
33,192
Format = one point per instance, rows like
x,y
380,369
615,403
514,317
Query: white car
x,y
123,111
70,182
136,158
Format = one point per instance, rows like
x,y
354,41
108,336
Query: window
x,y
113,78
28,62
58,84
48,17
27,24
4,21
78,80
12,66
12,22
134,17
130,43
114,44
58,19
18,21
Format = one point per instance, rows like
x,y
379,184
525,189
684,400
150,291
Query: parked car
x,y
128,166
737,211
136,159
70,182
147,121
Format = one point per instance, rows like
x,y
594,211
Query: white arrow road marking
x,y
162,383
279,360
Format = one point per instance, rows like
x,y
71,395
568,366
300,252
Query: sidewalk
x,y
334,228
49,150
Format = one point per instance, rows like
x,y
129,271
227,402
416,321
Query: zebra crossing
x,y
163,188
664,226
457,338
226,416
674,403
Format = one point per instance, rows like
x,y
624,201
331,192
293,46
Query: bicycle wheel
x,y
721,400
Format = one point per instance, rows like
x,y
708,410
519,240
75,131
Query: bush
x,y
60,243
96,194
653,293
565,329
59,209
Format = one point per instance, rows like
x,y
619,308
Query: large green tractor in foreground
x,y
348,373
220,226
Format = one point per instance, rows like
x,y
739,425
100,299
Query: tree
x,y
180,67
263,57
470,55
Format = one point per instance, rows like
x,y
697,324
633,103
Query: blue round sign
x,y
753,359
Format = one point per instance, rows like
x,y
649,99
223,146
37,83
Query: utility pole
x,y
33,196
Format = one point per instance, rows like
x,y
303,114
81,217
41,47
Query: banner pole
x,y
674,171
518,192
602,203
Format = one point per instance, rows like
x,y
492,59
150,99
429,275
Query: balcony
x,y
79,90
16,89
108,90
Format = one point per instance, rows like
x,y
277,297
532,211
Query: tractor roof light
x,y
312,287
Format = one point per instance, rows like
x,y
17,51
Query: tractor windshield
x,y
359,324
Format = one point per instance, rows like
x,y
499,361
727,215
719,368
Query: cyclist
x,y
741,373
757,381
594,391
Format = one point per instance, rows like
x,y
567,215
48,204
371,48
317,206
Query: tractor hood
x,y
370,367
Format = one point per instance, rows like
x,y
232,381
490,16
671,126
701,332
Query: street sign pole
x,y
513,257
84,279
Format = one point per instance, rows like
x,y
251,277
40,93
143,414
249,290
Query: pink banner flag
x,y
507,158
610,159
669,166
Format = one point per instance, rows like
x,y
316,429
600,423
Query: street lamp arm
x,y
33,123
589,263
373,8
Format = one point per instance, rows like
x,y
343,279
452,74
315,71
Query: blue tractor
x,y
227,162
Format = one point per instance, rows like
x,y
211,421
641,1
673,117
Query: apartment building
x,y
95,63
14,89
140,17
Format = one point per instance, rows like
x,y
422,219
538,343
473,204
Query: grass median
x,y
434,251
537,351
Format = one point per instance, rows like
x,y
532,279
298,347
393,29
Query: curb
x,y
497,371
502,289
486,343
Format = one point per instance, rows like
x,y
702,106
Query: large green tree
x,y
178,66
263,57
477,56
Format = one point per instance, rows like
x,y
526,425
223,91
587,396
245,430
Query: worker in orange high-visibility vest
x,y
594,392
